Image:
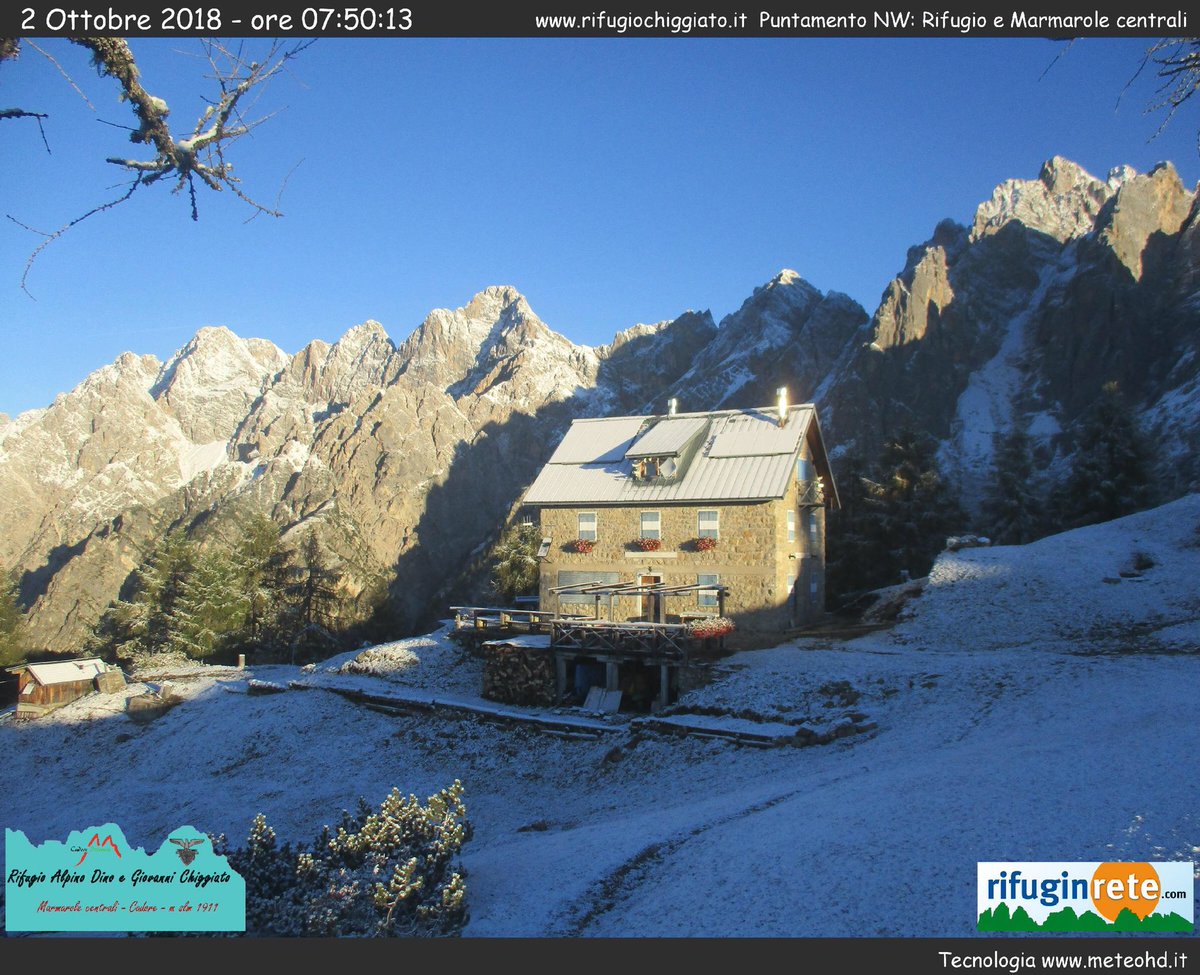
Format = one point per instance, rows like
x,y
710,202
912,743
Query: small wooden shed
x,y
45,686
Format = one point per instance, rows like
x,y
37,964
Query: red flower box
x,y
712,626
705,544
648,544
583,545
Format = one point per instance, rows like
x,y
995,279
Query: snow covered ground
x,y
1034,703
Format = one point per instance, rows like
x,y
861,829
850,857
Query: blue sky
x,y
612,181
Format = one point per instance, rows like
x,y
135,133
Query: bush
x,y
382,874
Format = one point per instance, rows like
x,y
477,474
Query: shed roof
x,y
747,456
66,671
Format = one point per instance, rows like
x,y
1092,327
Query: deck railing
x,y
660,640
484,617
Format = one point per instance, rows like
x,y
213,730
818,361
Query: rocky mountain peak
x,y
1143,207
209,384
1063,202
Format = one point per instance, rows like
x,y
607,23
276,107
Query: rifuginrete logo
x,y
1074,897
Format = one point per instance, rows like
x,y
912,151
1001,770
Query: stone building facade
x,y
745,511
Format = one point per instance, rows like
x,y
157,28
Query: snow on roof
x,y
754,465
757,433
66,671
667,437
597,441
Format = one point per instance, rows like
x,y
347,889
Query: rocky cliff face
x,y
410,456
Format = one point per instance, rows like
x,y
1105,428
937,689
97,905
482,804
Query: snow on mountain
x,y
1062,202
418,450
210,383
1027,708
786,333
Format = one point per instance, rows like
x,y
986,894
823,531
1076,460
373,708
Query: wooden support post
x,y
664,685
560,675
597,614
611,680
720,602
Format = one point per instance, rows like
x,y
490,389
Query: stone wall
x,y
752,557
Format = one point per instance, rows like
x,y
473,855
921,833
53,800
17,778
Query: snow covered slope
x,y
1010,727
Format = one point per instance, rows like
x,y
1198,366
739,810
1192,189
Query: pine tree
x,y
12,623
1110,475
1011,505
915,507
854,547
259,559
314,596
143,623
902,511
210,613
515,566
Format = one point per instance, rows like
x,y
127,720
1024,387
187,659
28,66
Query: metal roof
x,y
66,671
667,437
757,433
598,441
737,476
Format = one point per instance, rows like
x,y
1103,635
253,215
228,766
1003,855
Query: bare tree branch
x,y
202,154
62,71
51,237
21,113
1178,62
198,158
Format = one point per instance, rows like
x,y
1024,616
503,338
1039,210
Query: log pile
x,y
518,675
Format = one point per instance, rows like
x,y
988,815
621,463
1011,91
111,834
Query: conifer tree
x,y
211,611
1011,505
314,597
854,547
143,623
260,560
1110,475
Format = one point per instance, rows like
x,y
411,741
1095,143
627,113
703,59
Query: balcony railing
x,y
812,491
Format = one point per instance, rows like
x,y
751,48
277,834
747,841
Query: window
x,y
526,519
587,525
791,525
814,592
651,525
582,577
812,526
708,524
791,584
804,470
708,597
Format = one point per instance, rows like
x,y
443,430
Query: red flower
x,y
648,544
705,544
583,545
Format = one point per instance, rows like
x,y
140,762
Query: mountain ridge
x,y
409,455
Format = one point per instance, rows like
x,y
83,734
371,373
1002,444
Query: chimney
x,y
783,404
672,406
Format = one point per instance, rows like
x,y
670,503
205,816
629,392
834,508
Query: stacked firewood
x,y
518,675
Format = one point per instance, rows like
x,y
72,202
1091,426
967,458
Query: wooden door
x,y
649,601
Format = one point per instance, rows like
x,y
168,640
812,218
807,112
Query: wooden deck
x,y
656,641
